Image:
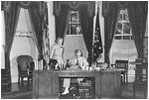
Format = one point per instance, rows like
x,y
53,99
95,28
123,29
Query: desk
x,y
46,83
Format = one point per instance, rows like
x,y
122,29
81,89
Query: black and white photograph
x,y
74,49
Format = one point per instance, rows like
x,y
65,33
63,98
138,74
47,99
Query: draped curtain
x,y
37,21
86,18
110,18
87,27
137,12
61,21
11,14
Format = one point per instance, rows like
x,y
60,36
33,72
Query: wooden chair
x,y
123,65
140,83
25,68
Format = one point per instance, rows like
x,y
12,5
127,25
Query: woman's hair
x,y
78,50
59,38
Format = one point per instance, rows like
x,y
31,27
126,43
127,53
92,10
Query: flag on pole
x,y
97,42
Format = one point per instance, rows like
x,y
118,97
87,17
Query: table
x,y
46,83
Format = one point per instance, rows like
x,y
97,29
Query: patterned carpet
x,y
24,93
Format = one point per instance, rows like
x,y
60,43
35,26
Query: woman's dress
x,y
57,53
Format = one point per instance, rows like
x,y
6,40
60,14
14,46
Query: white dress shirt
x,y
81,61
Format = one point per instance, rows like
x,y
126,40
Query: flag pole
x,y
94,28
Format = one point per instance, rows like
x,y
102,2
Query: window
x,y
74,27
123,30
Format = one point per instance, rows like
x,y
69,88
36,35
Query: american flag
x,y
97,42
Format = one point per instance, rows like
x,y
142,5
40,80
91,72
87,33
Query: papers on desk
x,y
79,68
93,68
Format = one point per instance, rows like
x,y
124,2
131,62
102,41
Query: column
x,y
51,21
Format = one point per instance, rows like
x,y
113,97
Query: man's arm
x,y
84,62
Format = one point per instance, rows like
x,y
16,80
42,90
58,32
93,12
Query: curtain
x,y
61,21
37,21
87,27
110,22
11,19
138,14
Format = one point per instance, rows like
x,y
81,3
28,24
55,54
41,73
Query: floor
x,y
17,92
25,92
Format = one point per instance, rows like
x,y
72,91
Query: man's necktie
x,y
77,62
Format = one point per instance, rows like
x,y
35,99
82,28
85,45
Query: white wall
x,y
2,42
22,45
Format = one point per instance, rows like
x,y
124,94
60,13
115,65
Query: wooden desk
x,y
46,83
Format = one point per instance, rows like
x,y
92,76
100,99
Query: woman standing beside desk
x,y
57,52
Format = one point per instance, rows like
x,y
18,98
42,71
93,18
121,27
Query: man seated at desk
x,y
76,63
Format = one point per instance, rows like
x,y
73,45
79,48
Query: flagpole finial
x,y
97,6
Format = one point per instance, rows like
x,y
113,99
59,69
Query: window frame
x,y
69,30
123,36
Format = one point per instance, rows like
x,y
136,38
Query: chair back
x,y
25,61
121,64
